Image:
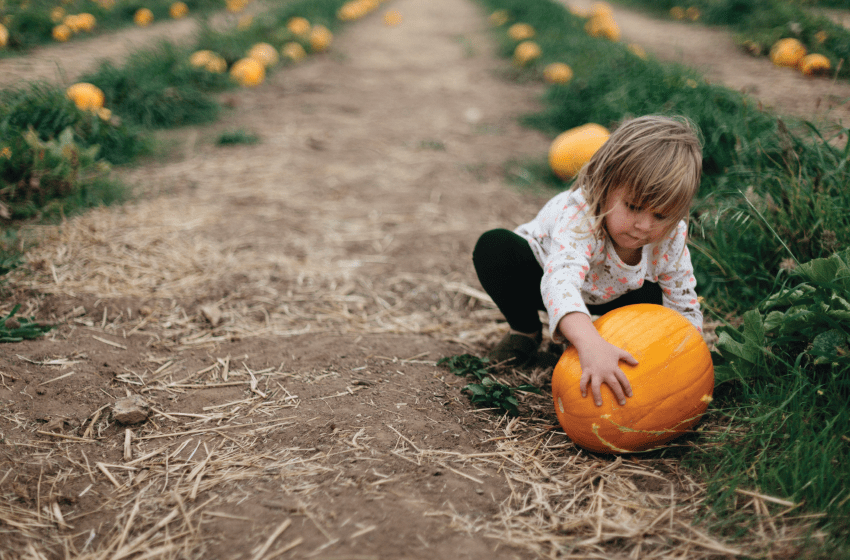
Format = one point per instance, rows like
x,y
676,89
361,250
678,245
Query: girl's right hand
x,y
599,359
600,363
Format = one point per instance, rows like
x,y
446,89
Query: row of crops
x,y
769,233
759,24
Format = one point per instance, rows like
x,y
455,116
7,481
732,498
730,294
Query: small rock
x,y
130,410
212,314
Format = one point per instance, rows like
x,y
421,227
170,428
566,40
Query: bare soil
x,y
281,307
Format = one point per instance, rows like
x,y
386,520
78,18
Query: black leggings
x,y
511,275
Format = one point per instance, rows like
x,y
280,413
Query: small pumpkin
x,y
298,25
143,17
265,53
320,38
814,65
86,22
557,73
603,26
787,52
677,13
248,72
4,36
571,149
526,52
86,96
672,384
520,31
208,60
178,10
499,18
293,51
57,14
61,33
392,18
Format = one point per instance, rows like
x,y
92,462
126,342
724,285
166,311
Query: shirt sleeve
x,y
565,269
676,276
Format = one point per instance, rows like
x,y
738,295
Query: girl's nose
x,y
643,222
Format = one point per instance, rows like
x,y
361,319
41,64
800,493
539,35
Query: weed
x,y
484,390
232,137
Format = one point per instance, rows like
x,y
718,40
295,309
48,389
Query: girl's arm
x,y
599,359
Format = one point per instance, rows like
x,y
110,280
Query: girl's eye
x,y
660,217
632,207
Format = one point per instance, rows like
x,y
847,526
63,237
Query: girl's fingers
x,y
624,382
628,358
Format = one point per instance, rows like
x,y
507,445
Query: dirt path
x,y
281,307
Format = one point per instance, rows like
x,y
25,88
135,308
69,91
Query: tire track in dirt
x,y
711,51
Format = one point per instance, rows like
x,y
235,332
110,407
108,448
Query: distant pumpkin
x,y
299,25
4,36
526,52
520,31
248,72
814,65
293,51
787,52
320,38
265,53
61,33
86,96
557,73
571,149
143,17
178,10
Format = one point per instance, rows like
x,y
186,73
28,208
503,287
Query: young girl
x,y
616,238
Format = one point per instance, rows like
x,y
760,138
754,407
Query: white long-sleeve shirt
x,y
580,269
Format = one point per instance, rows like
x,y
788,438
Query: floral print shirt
x,y
580,269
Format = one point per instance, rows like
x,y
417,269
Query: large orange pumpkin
x,y
671,385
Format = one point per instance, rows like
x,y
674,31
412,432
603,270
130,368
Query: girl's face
x,y
631,227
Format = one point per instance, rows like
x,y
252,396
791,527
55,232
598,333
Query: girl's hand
x,y
599,359
600,363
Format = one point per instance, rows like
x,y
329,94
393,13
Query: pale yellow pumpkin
x,y
392,18
499,18
557,73
520,31
299,25
320,38
4,36
265,53
526,52
293,51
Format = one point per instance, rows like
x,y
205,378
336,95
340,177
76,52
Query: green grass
x,y
233,137
773,196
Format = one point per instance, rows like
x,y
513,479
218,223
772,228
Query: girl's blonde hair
x,y
657,159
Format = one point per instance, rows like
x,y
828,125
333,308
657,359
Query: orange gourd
x,y
787,52
672,383
571,149
814,65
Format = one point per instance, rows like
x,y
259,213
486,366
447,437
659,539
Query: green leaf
x,y
825,346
